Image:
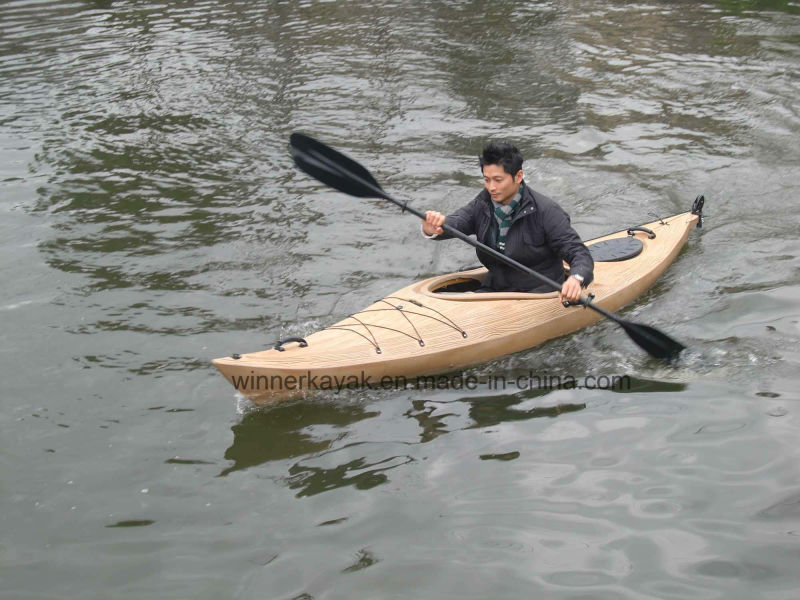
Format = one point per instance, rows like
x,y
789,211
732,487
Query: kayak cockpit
x,y
462,286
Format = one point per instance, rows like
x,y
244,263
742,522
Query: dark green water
x,y
151,220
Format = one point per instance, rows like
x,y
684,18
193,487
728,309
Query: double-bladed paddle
x,y
342,173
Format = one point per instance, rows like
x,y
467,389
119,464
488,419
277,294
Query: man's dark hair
x,y
503,154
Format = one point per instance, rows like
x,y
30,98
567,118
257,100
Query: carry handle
x,y
279,344
650,234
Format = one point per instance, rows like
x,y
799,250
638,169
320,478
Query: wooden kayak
x,y
435,326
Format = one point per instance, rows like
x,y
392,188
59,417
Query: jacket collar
x,y
527,204
528,200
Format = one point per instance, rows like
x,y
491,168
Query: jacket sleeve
x,y
567,244
463,220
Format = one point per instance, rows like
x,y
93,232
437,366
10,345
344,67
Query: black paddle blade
x,y
653,341
333,168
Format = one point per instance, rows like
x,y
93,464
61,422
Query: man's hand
x,y
432,225
570,291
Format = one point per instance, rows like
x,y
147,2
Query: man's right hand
x,y
432,225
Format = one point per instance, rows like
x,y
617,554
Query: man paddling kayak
x,y
523,224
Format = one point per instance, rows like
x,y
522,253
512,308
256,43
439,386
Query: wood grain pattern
x,y
416,331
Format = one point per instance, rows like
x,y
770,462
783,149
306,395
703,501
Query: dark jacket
x,y
540,237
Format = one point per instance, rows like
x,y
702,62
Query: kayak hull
x,y
419,331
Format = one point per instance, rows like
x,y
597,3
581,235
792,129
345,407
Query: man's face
x,y
500,184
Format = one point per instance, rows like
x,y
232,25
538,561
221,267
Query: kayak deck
x,y
421,331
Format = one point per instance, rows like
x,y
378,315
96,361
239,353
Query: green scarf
x,y
504,215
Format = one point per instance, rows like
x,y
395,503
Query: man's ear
x,y
518,177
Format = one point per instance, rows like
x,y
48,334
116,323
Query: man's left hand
x,y
570,291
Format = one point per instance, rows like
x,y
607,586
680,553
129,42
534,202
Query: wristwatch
x,y
578,277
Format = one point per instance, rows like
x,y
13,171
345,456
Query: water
x,y
152,220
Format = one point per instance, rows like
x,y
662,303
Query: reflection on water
x,y
320,433
323,473
500,410
288,431
317,426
